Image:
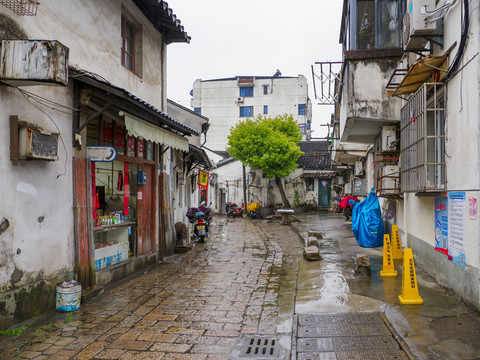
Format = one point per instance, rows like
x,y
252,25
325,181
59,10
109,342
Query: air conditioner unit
x,y
33,62
390,179
239,100
35,143
348,189
389,137
338,180
415,26
358,168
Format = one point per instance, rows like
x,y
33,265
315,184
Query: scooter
x,y
252,210
200,226
233,210
200,221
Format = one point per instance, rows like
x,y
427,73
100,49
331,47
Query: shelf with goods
x,y
112,244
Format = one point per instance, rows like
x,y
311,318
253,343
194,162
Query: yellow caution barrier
x,y
396,245
409,281
388,268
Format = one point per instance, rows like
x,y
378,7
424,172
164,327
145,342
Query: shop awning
x,y
431,68
139,128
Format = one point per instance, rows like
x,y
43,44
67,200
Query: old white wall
x,y
363,92
217,99
463,106
36,196
91,30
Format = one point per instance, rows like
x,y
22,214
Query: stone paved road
x,y
240,282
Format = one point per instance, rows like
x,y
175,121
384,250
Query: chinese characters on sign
x,y
450,217
441,225
456,227
202,180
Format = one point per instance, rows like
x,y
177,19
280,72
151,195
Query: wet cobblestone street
x,y
193,306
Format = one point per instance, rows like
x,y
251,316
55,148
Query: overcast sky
x,y
253,37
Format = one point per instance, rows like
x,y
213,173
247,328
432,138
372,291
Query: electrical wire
x,y
463,41
45,101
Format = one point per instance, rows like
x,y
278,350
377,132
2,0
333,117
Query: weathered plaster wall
x,y
91,30
36,240
363,93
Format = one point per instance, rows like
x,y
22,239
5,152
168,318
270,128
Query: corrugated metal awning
x,y
430,68
139,128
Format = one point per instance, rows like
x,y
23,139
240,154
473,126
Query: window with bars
x,y
422,144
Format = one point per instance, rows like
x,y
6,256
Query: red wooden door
x,y
145,217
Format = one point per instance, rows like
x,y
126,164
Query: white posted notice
x,y
456,227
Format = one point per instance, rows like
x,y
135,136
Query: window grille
x,y
21,7
422,144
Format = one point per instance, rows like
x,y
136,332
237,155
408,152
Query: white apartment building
x,y
227,101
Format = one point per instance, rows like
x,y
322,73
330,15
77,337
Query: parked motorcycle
x,y
347,208
200,220
252,210
233,209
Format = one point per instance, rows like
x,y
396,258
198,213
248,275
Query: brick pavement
x,y
241,281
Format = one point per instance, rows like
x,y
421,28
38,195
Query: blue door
x,y
324,192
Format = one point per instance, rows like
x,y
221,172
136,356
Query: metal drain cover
x,y
260,347
361,336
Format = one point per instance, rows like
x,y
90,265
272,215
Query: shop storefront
x,y
119,220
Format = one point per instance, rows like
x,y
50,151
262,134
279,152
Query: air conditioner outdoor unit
x,y
338,180
33,62
348,189
239,100
415,26
358,168
389,137
390,179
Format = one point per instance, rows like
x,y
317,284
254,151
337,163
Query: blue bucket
x,y
68,298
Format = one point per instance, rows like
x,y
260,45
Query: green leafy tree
x,y
269,144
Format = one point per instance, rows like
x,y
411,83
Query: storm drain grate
x,y
259,347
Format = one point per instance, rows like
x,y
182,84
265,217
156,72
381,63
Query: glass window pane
x,y
301,109
128,62
389,27
128,30
246,91
129,46
366,24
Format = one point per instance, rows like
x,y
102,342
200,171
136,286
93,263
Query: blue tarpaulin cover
x,y
367,223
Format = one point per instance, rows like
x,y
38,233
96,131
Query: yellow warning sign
x,y
396,245
409,281
388,268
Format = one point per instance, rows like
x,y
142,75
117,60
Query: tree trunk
x,y
286,203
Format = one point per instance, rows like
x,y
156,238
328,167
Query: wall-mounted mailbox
x,y
30,142
141,178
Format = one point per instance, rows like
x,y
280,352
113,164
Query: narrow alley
x,y
249,281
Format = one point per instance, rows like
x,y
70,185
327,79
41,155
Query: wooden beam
x,y
14,150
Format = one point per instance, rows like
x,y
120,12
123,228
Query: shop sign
x,y
101,153
203,180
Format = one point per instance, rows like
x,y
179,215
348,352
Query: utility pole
x,y
244,190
